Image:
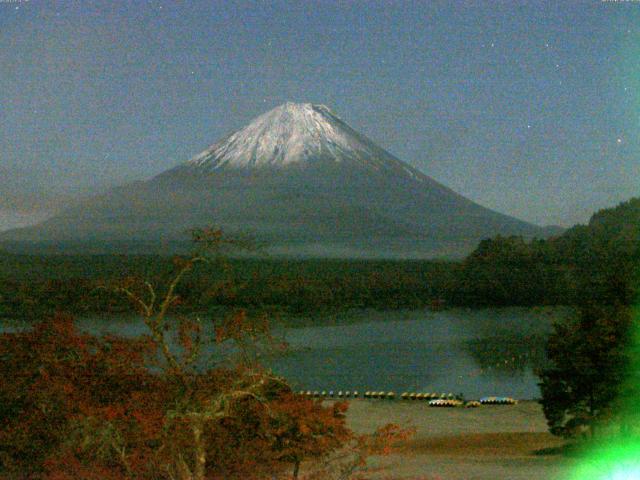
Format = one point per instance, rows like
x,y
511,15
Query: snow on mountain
x,y
298,178
297,133
12,219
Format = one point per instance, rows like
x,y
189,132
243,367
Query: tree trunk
x,y
296,469
182,469
592,420
200,459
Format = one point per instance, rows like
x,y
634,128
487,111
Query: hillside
x,y
299,178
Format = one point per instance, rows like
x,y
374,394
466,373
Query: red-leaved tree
x,y
77,406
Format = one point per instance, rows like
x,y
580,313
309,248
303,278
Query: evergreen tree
x,y
589,371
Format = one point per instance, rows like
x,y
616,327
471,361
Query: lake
x,y
474,352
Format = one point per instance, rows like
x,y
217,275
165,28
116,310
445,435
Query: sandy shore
x,y
489,442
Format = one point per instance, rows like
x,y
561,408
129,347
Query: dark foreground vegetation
x,y
75,406
593,381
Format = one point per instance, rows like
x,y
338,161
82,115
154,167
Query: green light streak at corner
x,y
615,454
620,461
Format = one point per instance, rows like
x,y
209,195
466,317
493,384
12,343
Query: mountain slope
x,y
303,180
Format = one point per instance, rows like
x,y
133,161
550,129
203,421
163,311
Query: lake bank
x,y
485,443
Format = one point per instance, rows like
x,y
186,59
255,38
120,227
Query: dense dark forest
x,y
587,261
591,381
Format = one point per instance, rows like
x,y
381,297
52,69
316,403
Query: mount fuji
x,y
297,177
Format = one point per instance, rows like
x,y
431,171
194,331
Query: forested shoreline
x,y
594,259
36,285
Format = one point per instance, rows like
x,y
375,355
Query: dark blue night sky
x,y
530,108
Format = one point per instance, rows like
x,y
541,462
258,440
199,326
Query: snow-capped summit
x,y
296,133
299,178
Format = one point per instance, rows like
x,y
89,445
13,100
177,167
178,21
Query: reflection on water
x,y
469,352
508,354
472,352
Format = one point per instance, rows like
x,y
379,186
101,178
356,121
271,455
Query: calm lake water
x,y
476,353
473,352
